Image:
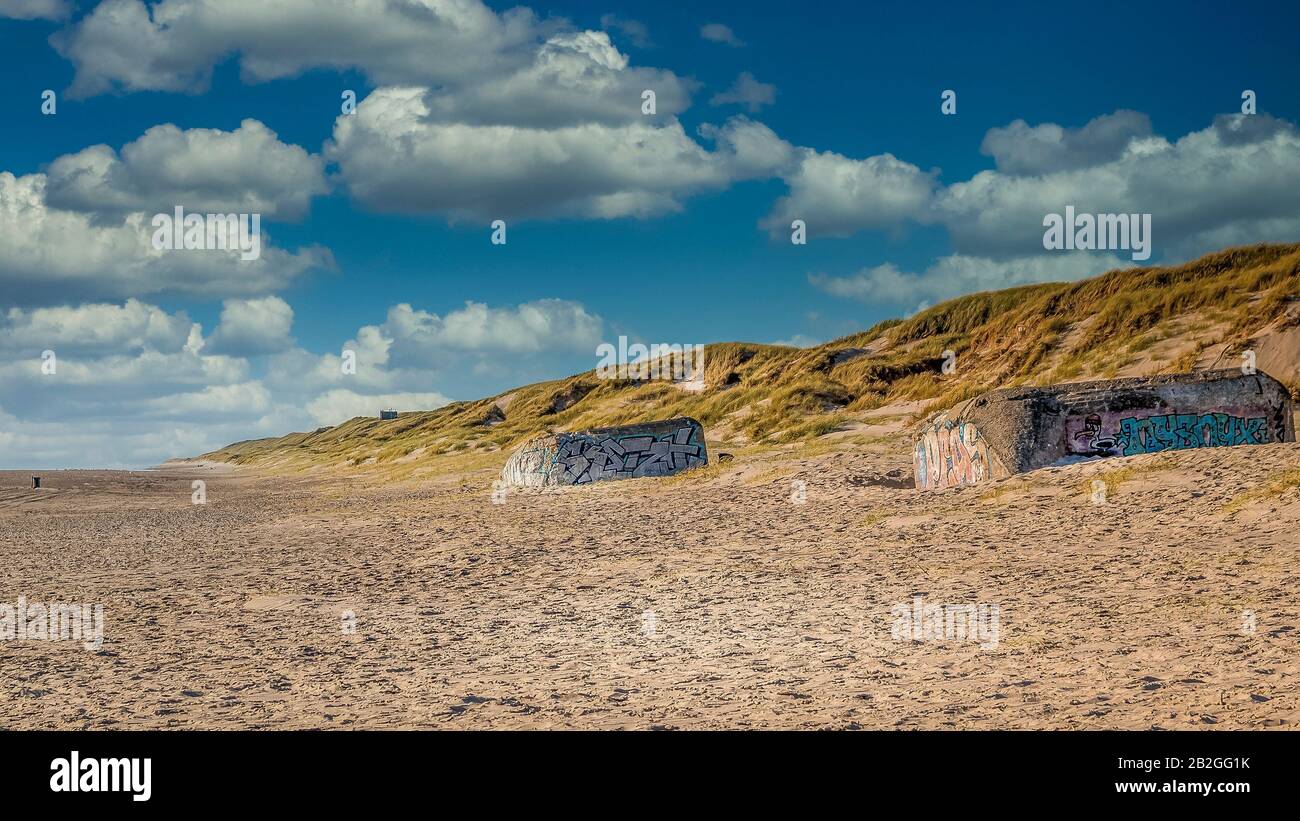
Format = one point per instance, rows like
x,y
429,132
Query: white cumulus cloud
x,y
84,228
135,384
393,157
250,327
837,196
1023,149
247,171
173,45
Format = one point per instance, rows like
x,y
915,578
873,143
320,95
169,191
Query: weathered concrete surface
x,y
1018,429
629,452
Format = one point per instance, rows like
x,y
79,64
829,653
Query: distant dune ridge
x,y
1209,313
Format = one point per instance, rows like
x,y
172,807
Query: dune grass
x,y
1274,488
771,395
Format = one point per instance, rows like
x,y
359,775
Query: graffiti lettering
x,y
1189,430
587,459
1127,434
949,454
627,453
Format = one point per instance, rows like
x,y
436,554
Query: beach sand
x,y
710,601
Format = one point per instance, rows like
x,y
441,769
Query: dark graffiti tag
x,y
1180,431
587,459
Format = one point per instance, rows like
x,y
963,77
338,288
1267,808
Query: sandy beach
x,y
735,597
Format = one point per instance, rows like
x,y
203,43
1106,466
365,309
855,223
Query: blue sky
x,y
694,261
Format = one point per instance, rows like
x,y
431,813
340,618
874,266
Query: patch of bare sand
x,y
701,602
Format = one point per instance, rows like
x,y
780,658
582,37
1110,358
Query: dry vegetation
x,y
766,395
1277,487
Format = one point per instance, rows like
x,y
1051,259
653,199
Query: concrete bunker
x,y
629,452
1014,430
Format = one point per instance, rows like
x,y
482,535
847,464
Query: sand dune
x,y
714,601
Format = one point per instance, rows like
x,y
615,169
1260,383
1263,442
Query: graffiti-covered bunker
x,y
1013,430
630,452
